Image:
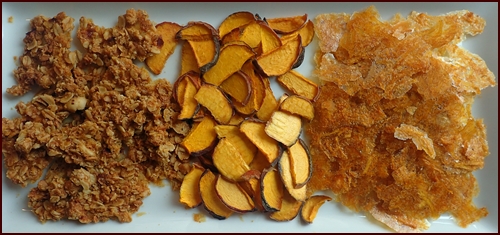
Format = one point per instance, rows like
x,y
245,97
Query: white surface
x,y
161,211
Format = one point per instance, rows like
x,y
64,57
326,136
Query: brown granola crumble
x,y
101,125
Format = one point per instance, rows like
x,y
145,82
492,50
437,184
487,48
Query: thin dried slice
x,y
285,25
212,98
300,163
205,161
270,40
258,92
306,34
299,85
252,186
282,59
236,119
188,59
205,42
211,202
232,36
259,162
197,31
298,105
167,30
233,196
201,138
189,193
251,34
185,88
290,208
300,194
255,131
206,53
282,98
284,127
269,105
229,161
311,207
179,90
232,57
236,20
258,85
238,140
238,86
271,189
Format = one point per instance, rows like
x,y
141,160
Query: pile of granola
x,y
101,125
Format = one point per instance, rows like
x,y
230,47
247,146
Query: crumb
x,y
139,214
10,19
199,217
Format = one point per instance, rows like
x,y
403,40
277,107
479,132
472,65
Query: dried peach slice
x,y
251,34
204,40
236,119
233,36
282,59
189,193
201,138
290,208
271,189
238,140
311,207
258,91
300,163
185,88
238,86
252,186
300,194
287,24
284,127
233,196
212,98
255,131
306,34
298,105
167,30
206,53
236,20
211,202
229,161
270,40
232,57
269,105
188,59
259,162
197,31
299,84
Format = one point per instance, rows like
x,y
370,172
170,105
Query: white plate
x,y
161,211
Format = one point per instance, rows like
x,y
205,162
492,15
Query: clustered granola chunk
x,y
47,57
101,125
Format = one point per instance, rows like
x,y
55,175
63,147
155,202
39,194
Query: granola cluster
x,y
101,125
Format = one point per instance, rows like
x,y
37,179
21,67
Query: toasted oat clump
x,y
107,129
133,37
46,58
